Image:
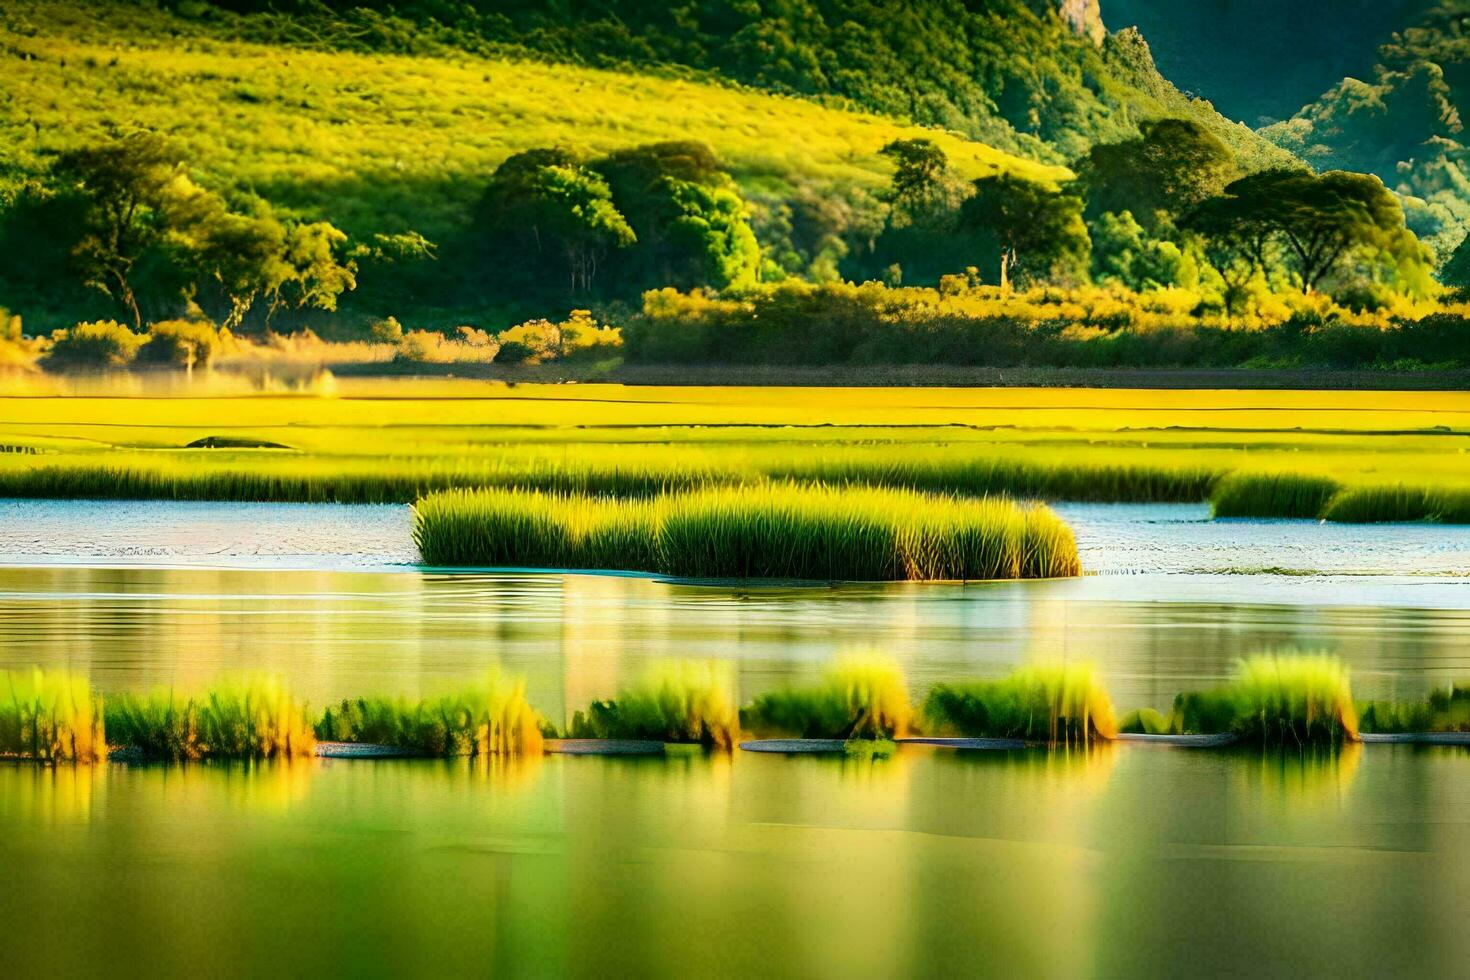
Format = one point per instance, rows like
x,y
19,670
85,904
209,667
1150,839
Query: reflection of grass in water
x,y
253,718
1308,774
1275,699
860,696
1058,704
488,719
681,701
50,716
779,531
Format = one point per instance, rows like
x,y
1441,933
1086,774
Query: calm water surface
x,y
1125,861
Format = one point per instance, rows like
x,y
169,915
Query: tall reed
x,y
50,716
1299,495
784,531
489,719
680,702
253,718
1056,704
1447,709
861,695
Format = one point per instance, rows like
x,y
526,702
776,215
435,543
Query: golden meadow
x,y
395,440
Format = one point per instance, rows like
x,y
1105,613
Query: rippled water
x,y
1128,860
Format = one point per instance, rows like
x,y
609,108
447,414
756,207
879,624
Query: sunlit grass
x,y
1055,704
1284,494
489,719
860,696
251,718
50,716
1275,699
682,702
1447,709
782,531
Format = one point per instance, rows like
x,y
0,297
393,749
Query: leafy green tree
x,y
1171,166
124,184
1314,221
1036,231
547,213
1123,251
920,169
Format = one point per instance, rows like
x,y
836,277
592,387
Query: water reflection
x,y
1118,859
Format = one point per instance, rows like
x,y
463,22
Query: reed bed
x,y
1447,709
1272,495
489,719
860,696
1272,699
681,702
50,716
1055,704
1384,504
783,531
253,718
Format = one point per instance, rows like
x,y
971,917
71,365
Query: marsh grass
x,y
1447,709
251,718
50,716
1297,495
490,719
784,531
682,702
860,696
1055,704
1275,699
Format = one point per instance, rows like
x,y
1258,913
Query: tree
x,y
123,184
547,212
1315,220
1171,166
1036,230
920,166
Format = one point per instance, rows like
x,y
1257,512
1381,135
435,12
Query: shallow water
x,y
1131,860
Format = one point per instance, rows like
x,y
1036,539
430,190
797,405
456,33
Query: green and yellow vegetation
x,y
50,717
488,719
770,531
254,718
1447,709
861,696
681,702
1285,699
1058,705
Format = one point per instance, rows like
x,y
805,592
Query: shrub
x,y
98,346
180,343
861,695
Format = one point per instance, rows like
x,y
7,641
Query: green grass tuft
x,y
1298,495
254,718
493,718
782,531
50,716
1061,704
1445,710
680,702
860,696
1275,699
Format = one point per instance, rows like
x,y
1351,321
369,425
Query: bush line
x,y
1285,700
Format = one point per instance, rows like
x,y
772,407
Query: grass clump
x,y
1446,709
860,696
493,718
50,716
1275,699
680,702
1060,704
784,531
256,718
1297,495
1383,504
